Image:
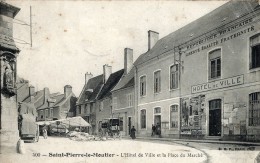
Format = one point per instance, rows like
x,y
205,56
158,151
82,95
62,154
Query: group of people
x,y
156,130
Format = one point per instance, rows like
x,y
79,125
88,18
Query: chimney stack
x,y
107,71
46,94
128,60
31,90
31,93
67,90
153,37
87,77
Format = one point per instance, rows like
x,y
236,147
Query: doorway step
x,y
213,137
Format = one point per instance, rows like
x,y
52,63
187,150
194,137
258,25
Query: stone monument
x,y
9,134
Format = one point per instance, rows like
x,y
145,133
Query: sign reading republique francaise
x,y
218,84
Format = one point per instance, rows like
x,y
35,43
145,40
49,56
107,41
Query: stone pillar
x,y
9,134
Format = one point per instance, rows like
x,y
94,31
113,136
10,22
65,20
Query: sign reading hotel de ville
x,y
218,84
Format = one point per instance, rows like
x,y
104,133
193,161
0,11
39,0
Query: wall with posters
x,y
193,116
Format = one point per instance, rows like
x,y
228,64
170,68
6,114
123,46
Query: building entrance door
x,y
215,117
129,125
157,120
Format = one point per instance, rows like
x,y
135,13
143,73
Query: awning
x,y
74,121
45,122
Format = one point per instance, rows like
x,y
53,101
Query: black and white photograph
x,y
118,81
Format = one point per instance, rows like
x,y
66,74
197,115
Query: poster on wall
x,y
193,113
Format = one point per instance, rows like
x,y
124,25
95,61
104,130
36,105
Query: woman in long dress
x,y
133,132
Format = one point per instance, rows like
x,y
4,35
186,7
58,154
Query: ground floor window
x,y
174,116
143,119
254,109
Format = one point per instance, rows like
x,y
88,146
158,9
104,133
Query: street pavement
x,y
218,151
60,149
116,151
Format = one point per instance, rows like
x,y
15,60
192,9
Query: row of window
x,y
174,80
214,67
129,101
254,111
157,112
48,113
85,109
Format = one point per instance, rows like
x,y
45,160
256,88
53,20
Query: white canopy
x,y
74,121
45,122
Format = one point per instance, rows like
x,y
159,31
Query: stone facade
x,y
8,53
217,73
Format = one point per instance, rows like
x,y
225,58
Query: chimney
x,y
87,77
107,71
67,90
128,60
31,90
31,93
153,37
46,94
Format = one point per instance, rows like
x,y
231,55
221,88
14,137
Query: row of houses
x,y
49,106
201,81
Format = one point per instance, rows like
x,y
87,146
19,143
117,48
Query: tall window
x,y
115,102
143,119
41,113
46,113
215,64
101,106
85,109
91,108
174,76
130,99
51,112
254,109
79,109
255,51
157,81
174,116
143,86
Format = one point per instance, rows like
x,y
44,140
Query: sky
x,y
71,38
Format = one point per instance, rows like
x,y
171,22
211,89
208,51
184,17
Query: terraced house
x,y
53,106
95,100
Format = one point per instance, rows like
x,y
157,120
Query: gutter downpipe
x,y
136,101
179,52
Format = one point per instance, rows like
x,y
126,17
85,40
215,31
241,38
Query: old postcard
x,y
130,81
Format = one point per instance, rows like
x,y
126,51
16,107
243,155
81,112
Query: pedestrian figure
x,y
158,129
153,130
133,132
44,133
